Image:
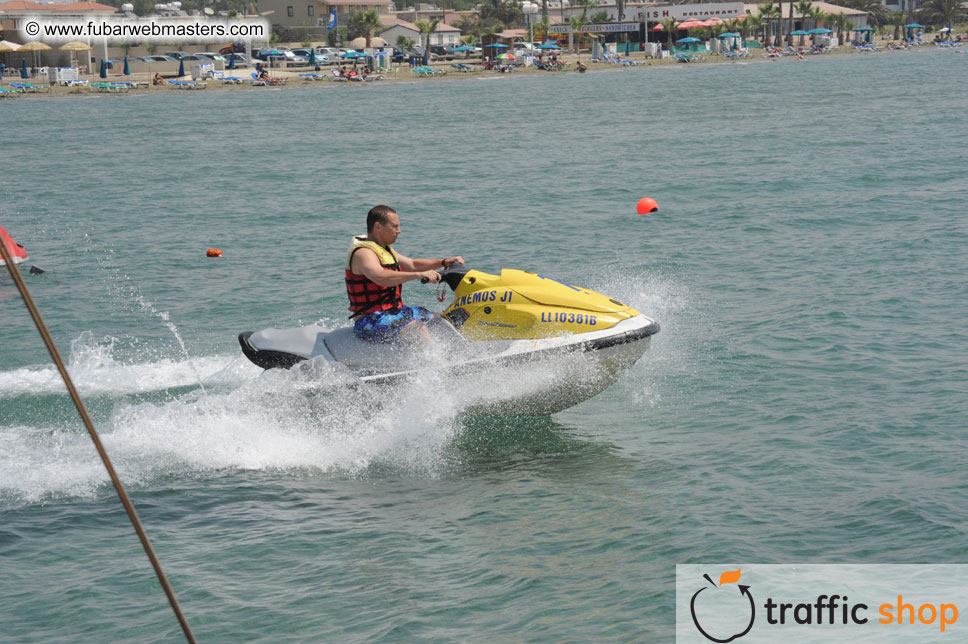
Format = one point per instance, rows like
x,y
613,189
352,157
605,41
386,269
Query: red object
x,y
213,252
647,205
657,28
18,252
369,297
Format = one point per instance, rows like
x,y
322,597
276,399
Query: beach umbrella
x,y
23,69
820,30
549,45
687,40
800,32
864,28
127,70
689,24
464,48
312,57
181,68
913,25
352,54
104,68
729,34
7,46
73,47
626,48
35,46
232,60
497,45
76,45
658,27
505,56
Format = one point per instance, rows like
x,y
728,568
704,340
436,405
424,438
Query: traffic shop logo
x,y
736,600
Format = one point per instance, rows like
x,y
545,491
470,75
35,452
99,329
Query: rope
x,y
129,508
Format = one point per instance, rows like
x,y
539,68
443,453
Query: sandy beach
x,y
292,77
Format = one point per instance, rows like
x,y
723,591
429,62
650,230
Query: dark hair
x,y
378,214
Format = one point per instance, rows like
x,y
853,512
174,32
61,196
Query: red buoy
x,y
647,205
213,252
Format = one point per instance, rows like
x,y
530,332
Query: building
x,y
314,14
12,13
445,34
857,18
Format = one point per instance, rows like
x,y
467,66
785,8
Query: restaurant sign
x,y
682,12
605,27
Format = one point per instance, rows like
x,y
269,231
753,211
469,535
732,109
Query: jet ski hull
x,y
507,377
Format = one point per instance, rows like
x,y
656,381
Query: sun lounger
x,y
30,87
4,92
313,76
110,88
221,78
428,71
187,84
256,81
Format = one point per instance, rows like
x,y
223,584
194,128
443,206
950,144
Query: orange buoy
x,y
213,252
647,205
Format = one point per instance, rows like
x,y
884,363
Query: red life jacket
x,y
366,296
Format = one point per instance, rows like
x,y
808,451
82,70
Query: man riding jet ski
x,y
374,276
518,342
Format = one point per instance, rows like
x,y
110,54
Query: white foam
x,y
95,371
313,418
302,419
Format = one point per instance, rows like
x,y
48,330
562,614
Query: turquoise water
x,y
804,402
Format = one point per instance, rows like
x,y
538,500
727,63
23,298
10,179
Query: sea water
x,y
804,401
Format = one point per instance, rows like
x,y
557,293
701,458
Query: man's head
x,y
382,225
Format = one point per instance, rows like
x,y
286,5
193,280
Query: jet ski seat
x,y
367,357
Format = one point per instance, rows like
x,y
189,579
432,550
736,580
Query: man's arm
x,y
365,262
408,264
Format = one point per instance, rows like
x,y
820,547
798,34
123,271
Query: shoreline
x,y
403,74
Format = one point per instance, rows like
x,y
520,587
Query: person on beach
x,y
374,275
158,80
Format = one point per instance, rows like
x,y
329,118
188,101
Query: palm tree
x,y
405,43
790,24
876,12
750,24
896,18
804,8
542,27
840,22
768,12
946,12
576,23
369,22
585,5
669,25
426,27
819,16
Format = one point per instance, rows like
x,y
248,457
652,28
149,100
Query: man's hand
x,y
453,260
431,276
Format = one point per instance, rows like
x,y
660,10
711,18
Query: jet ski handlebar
x,y
452,275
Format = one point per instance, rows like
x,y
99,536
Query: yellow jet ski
x,y
519,343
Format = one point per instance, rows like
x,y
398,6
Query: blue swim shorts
x,y
383,326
